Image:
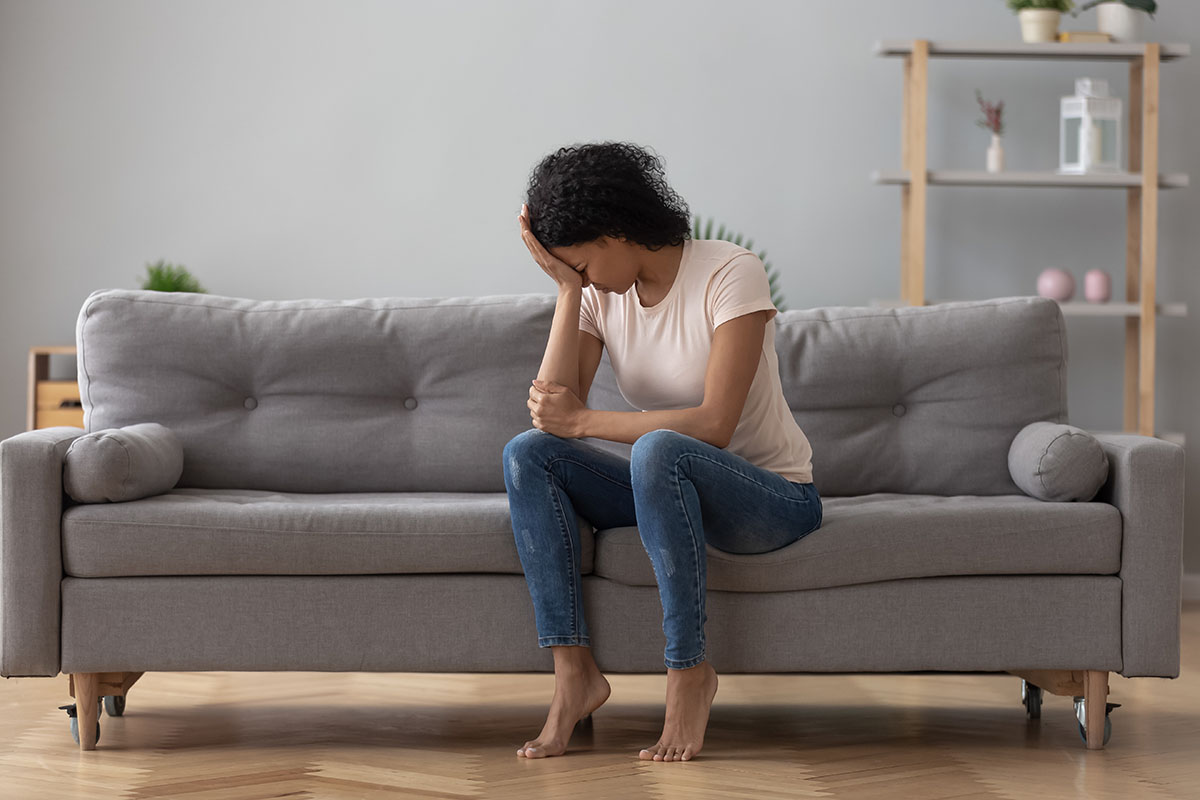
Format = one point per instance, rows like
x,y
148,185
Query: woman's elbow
x,y
721,435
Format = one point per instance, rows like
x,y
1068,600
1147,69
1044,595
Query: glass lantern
x,y
1089,132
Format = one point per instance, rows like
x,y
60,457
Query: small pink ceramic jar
x,y
1097,287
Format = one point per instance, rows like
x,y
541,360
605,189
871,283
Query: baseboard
x,y
1191,587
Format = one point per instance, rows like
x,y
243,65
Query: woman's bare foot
x,y
579,689
690,695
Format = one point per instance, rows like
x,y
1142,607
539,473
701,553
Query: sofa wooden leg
x,y
1090,684
87,688
1095,698
86,710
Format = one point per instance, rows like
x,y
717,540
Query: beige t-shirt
x,y
659,354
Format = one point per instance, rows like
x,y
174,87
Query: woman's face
x,y
606,262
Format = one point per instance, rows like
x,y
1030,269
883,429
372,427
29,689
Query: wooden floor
x,y
235,735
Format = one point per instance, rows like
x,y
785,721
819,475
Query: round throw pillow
x,y
119,464
1055,461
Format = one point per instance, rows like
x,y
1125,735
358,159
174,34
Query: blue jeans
x,y
678,490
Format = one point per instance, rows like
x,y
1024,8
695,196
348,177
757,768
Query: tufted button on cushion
x,y
250,403
898,410
410,403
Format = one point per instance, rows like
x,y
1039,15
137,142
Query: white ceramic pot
x,y
995,155
1039,24
1120,21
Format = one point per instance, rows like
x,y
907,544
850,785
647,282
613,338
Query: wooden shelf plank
x,y
1080,51
961,177
1080,308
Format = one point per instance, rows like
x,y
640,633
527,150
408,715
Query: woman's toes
x,y
687,753
649,753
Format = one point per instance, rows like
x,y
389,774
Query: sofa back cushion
x,y
421,394
383,394
915,400
922,399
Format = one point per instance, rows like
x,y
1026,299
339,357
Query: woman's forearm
x,y
561,361
627,426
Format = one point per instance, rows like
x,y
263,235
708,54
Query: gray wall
x,y
350,149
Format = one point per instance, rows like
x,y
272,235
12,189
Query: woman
x,y
717,456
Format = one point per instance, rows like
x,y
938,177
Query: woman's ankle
x,y
574,661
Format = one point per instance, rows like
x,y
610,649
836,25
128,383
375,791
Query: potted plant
x,y
993,120
164,277
1121,19
1039,18
772,277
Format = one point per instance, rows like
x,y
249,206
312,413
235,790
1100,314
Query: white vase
x,y
1039,24
995,155
1122,23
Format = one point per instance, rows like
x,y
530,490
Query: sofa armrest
x,y
31,506
1145,482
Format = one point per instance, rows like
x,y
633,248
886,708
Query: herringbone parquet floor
x,y
245,735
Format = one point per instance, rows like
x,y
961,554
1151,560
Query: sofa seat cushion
x,y
249,532
883,537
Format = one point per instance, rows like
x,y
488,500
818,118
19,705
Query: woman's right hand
x,y
566,276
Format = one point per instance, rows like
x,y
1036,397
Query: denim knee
x,y
527,447
527,444
658,446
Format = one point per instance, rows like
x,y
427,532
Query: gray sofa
x,y
342,506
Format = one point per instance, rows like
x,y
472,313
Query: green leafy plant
x,y
164,277
1049,5
772,277
1149,6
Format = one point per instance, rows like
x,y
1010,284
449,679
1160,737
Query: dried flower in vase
x,y
993,115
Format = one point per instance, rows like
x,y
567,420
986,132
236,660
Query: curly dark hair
x,y
578,194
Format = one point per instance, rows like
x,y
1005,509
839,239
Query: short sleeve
x,y
740,287
589,314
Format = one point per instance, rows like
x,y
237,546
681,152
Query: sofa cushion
x,y
1057,462
883,537
422,394
921,399
245,532
121,464
402,394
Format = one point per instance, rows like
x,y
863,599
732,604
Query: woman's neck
x,y
658,271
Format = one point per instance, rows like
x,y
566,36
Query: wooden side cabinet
x,y
51,403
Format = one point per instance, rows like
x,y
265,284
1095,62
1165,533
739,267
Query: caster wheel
x,y
70,709
1107,731
114,704
1081,719
75,729
1031,696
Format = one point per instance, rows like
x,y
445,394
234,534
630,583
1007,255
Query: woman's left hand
x,y
555,409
